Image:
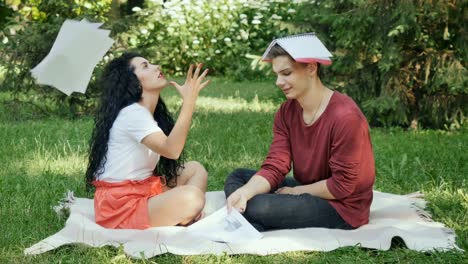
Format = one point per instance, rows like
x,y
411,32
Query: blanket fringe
x,y
415,195
419,204
449,231
63,207
423,214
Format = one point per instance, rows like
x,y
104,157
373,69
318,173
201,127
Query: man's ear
x,y
312,68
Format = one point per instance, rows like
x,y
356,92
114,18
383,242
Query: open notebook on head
x,y
304,48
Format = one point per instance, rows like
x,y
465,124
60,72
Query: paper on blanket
x,y
304,48
223,227
78,48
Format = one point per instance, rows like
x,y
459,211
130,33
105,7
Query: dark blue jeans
x,y
284,211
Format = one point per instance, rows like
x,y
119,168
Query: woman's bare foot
x,y
197,218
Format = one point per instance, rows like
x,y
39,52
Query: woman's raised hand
x,y
193,84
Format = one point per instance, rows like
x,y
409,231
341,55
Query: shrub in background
x,y
171,33
27,36
403,61
218,33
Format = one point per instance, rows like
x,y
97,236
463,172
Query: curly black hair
x,y
121,88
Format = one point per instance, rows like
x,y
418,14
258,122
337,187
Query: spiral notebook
x,y
304,48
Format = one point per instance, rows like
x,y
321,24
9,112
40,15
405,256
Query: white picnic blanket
x,y
391,216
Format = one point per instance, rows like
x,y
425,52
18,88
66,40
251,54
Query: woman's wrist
x,y
189,103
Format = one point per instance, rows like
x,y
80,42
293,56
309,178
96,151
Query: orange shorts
x,y
125,204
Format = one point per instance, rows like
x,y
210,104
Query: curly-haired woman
x,y
135,151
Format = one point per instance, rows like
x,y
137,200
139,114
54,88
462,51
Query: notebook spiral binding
x,y
297,35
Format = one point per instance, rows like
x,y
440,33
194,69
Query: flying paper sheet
x,y
79,46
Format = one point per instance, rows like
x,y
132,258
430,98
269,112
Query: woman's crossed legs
x,y
184,203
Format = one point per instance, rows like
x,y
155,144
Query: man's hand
x,y
288,190
318,189
237,200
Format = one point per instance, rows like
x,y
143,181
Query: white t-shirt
x,y
127,157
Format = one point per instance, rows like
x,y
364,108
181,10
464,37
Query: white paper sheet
x,y
224,227
78,48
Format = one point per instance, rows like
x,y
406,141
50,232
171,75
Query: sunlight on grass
x,y
446,203
59,159
72,164
227,105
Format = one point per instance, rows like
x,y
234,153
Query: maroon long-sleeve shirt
x,y
337,147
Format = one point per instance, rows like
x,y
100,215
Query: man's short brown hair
x,y
277,51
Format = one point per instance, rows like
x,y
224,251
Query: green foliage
x,y
404,62
27,38
5,12
401,60
173,34
217,33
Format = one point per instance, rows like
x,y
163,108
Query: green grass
x,y
43,158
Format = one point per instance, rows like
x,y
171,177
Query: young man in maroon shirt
x,y
324,136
